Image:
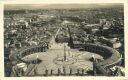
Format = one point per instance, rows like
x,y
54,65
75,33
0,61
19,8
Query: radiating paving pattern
x,y
54,60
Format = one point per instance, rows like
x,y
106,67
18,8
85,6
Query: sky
x,y
57,6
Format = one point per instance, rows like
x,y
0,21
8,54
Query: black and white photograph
x,y
59,40
64,40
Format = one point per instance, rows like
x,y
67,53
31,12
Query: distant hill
x,y
59,6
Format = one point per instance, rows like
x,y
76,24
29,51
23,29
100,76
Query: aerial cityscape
x,y
64,40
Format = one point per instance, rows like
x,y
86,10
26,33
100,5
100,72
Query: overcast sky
x,y
58,6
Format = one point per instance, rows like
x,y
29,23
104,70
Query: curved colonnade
x,y
30,50
110,55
